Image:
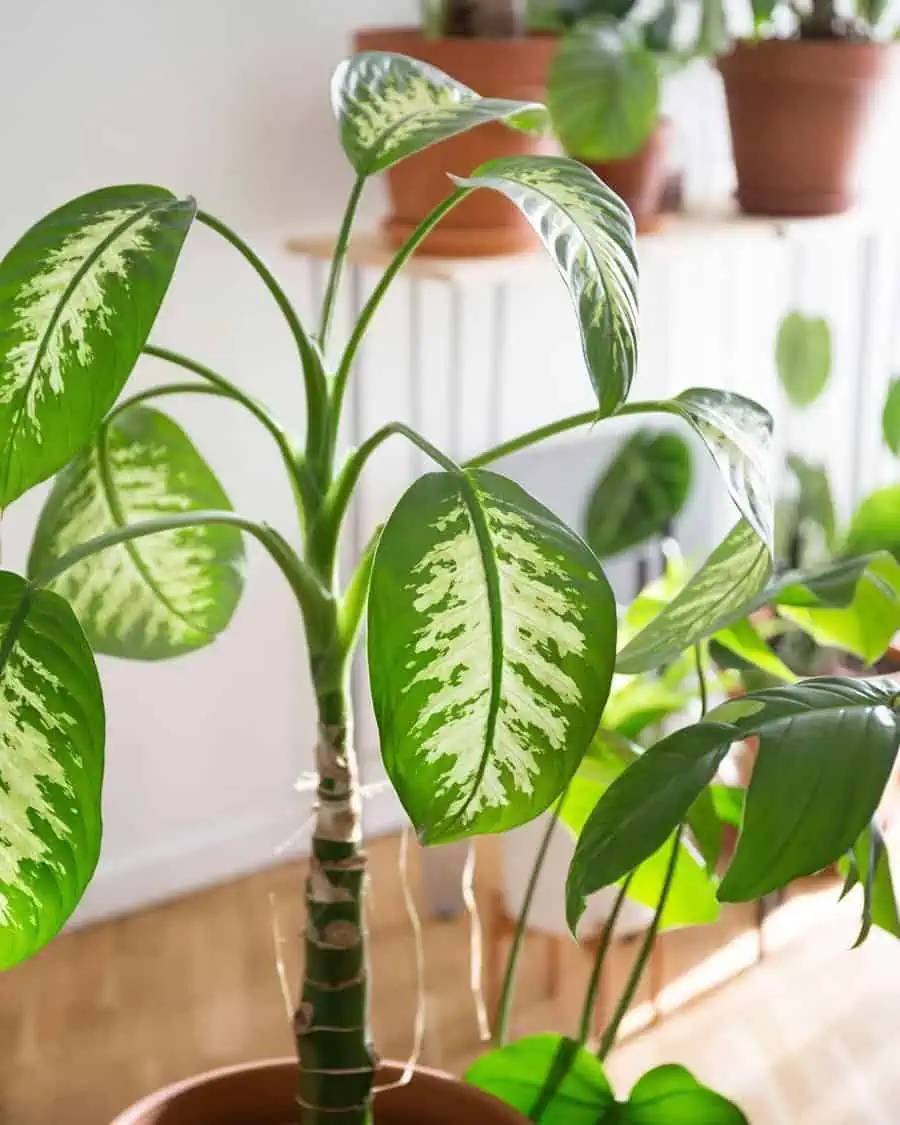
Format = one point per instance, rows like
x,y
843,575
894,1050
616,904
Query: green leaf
x,y
814,501
517,1073
78,296
52,730
865,627
826,749
642,808
833,584
389,106
721,592
490,644
640,493
639,703
869,863
890,418
743,639
604,90
589,232
803,357
157,596
670,1095
876,523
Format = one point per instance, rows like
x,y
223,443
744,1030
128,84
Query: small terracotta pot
x,y
798,111
486,223
263,1093
640,180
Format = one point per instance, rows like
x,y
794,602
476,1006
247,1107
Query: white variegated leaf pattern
x,y
78,295
389,106
491,643
161,595
52,731
589,232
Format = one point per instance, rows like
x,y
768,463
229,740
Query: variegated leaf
x,y
52,731
160,595
491,644
78,296
389,106
590,233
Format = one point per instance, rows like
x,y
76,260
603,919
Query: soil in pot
x,y
640,180
798,111
486,223
263,1094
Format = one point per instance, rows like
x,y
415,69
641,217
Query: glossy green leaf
x,y
718,594
744,640
491,636
876,523
890,418
815,503
389,106
670,1095
589,232
517,1073
642,808
52,731
78,296
161,595
604,90
640,493
803,357
826,749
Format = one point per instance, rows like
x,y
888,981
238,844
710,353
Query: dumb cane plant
x,y
491,627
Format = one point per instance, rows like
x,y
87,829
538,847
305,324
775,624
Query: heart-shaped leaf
x,y
670,1095
78,296
590,234
826,750
640,493
52,730
491,634
876,523
389,106
803,357
160,595
518,1074
890,418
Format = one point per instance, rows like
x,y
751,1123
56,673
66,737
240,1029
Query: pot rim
x,y
823,62
166,1093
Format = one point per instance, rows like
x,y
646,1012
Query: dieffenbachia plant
x,y
492,629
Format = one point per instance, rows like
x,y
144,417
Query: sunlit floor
x,y
110,1012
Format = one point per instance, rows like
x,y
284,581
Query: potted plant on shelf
x,y
799,92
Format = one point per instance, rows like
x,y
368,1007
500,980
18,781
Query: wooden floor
x,y
110,1012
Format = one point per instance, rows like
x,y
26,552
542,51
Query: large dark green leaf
x,y
604,90
826,749
876,523
389,106
491,636
803,357
590,234
52,731
78,296
642,808
517,1074
890,418
639,494
670,1095
160,595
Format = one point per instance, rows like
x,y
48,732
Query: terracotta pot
x,y
486,223
263,1094
798,111
641,179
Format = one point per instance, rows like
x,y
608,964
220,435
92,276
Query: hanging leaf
x,y
833,584
869,864
876,523
51,767
389,106
78,296
589,232
815,503
803,357
161,595
826,750
518,1073
640,493
642,808
491,638
604,90
890,418
670,1095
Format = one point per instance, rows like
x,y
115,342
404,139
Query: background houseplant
x,y
798,94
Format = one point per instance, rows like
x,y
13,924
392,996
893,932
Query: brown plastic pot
x,y
486,223
798,112
263,1093
641,179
